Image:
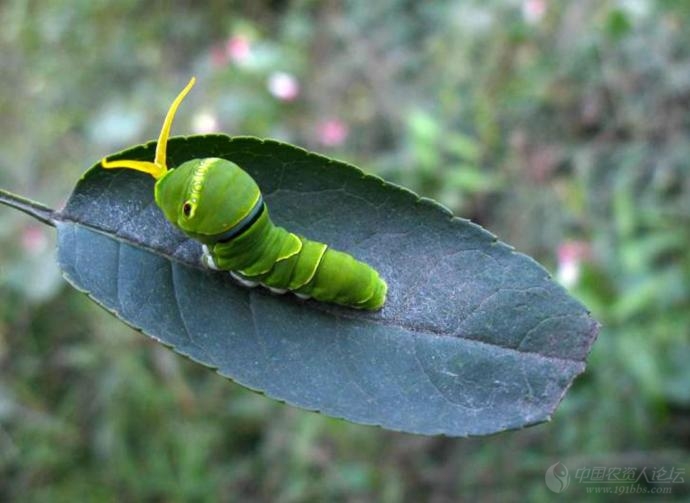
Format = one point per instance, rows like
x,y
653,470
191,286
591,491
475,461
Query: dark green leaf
x,y
474,338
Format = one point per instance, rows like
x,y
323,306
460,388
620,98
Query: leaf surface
x,y
474,338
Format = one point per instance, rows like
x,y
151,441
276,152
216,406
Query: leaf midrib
x,y
389,322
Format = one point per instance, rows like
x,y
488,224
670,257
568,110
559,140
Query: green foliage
x,y
578,128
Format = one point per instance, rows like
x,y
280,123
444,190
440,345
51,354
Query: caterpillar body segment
x,y
281,260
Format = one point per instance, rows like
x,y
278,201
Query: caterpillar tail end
x,y
377,300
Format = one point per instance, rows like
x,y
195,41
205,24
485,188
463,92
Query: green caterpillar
x,y
217,203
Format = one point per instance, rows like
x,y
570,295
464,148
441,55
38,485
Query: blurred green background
x,y
563,127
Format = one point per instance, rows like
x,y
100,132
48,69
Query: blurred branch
x,y
32,208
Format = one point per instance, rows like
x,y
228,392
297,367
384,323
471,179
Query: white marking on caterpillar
x,y
244,281
198,183
207,258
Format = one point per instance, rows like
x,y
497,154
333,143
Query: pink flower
x,y
533,11
571,254
332,132
34,240
238,49
283,86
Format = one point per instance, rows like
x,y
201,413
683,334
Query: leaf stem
x,y
32,208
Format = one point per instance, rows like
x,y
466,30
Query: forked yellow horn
x,y
158,167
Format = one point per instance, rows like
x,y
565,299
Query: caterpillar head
x,y
205,198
